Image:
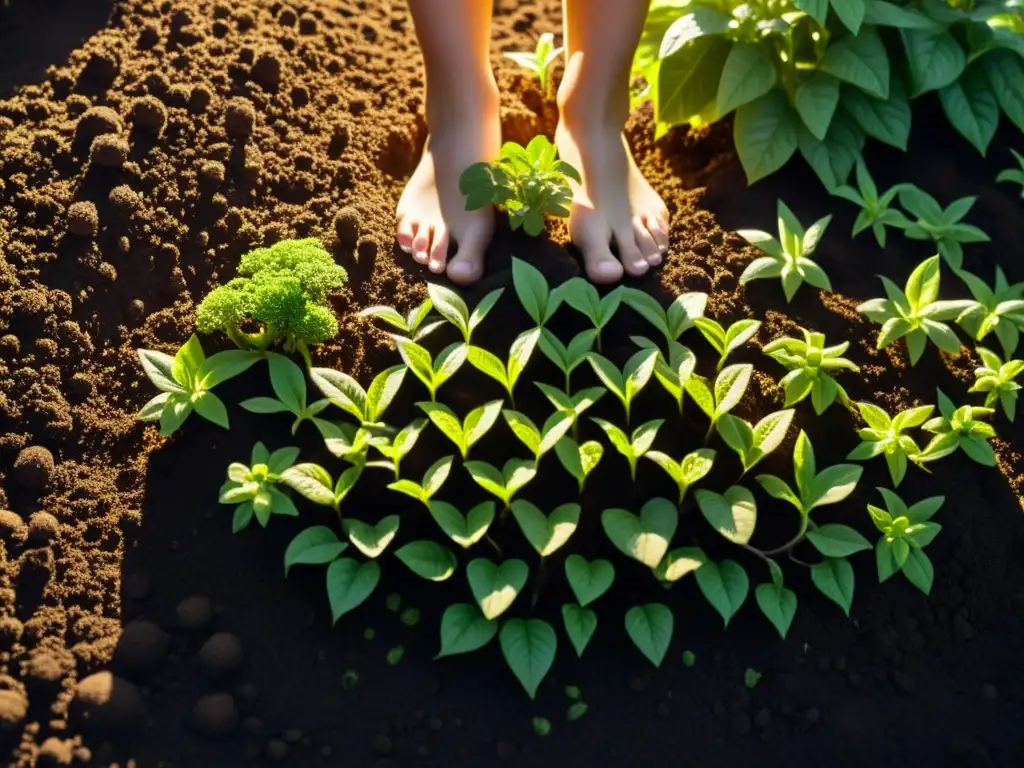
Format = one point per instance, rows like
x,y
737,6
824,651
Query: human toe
x,y
467,265
645,241
405,233
633,261
658,227
438,257
421,244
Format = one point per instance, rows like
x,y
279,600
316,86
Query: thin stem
x,y
711,431
568,383
791,544
537,582
494,545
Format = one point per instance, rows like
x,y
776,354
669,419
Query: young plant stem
x,y
568,384
537,583
790,545
494,546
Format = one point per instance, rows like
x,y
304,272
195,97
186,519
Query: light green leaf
x,y
645,538
464,530
546,533
372,540
816,99
428,559
496,586
315,545
733,514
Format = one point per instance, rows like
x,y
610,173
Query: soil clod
x,y
221,655
33,467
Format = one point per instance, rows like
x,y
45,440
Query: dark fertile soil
x,y
135,629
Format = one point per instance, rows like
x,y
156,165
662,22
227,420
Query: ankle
x,y
449,104
586,104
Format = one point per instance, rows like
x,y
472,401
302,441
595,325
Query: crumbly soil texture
x,y
144,146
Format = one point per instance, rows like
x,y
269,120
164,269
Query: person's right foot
x,y
432,211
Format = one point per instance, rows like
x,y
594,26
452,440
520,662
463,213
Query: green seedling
x,y
582,296
289,384
646,537
538,441
725,585
906,531
674,371
505,484
996,379
627,383
283,289
574,405
433,373
787,258
693,467
539,301
433,479
942,226
253,489
527,183
751,677
634,446
428,559
185,381
875,209
961,428
452,308
726,340
351,442
539,60
349,584
411,325
813,488
650,628
579,460
315,483
368,406
999,309
567,358
546,533
399,447
371,539
465,530
915,312
1014,175
729,387
465,434
811,365
496,586
507,374
316,545
885,435
671,322
753,443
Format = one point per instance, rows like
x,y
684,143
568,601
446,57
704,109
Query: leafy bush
x,y
282,289
822,76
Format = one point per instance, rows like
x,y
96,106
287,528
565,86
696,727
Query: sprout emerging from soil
x,y
283,290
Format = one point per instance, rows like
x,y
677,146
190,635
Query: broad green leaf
x,y
222,366
733,514
778,604
972,107
816,99
934,58
315,545
851,13
887,120
464,629
533,293
645,538
428,559
837,540
546,533
918,570
679,562
211,408
588,580
687,81
159,367
832,485
725,585
834,578
349,583
488,364
650,628
288,382
748,74
528,646
860,60
312,481
372,540
464,530
382,392
580,625
730,385
262,405
451,307
495,586
765,132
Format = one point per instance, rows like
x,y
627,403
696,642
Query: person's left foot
x,y
613,205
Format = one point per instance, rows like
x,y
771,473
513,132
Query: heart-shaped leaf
x,y
316,545
372,540
725,585
496,586
777,603
733,514
834,578
588,580
546,533
349,583
428,559
680,562
529,647
645,538
580,624
464,530
650,628
464,629
836,540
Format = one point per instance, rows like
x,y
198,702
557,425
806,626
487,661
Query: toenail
x,y
655,260
405,248
435,266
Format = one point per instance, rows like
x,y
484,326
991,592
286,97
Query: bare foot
x,y
432,211
615,204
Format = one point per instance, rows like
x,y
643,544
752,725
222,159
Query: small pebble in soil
x,y
12,527
199,99
10,345
42,528
96,121
107,701
195,612
83,219
212,173
125,200
109,150
239,117
221,654
347,226
33,467
149,114
267,71
11,630
141,647
215,713
277,749
55,752
13,708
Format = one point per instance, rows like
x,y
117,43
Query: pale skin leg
x,y
615,204
464,128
